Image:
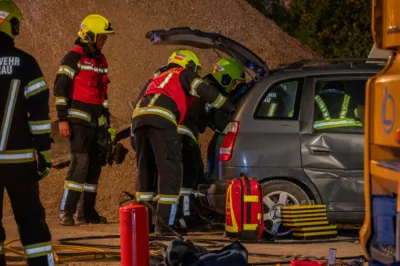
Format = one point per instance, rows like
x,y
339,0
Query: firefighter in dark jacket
x,y
217,121
80,91
25,129
226,74
154,123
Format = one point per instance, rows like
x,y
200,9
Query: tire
x,y
274,193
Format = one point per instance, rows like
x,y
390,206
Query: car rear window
x,y
281,101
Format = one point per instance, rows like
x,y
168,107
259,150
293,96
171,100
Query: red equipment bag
x,y
244,217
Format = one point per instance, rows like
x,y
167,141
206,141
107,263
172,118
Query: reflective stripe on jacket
x,y
342,121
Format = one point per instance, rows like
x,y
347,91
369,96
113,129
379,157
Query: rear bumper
x,y
215,195
216,192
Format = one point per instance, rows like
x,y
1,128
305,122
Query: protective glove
x,y
44,164
112,135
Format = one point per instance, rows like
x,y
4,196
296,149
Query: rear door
x,y
334,158
268,141
209,40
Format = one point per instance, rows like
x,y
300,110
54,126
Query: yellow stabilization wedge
x,y
315,232
308,221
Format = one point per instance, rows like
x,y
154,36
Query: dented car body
x,y
326,164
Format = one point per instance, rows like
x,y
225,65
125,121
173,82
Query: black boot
x,y
161,229
196,224
90,213
66,219
95,219
80,217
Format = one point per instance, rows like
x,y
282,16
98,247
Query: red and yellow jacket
x,y
80,88
166,98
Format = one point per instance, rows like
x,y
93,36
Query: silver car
x,y
293,162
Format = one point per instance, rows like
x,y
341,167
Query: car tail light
x,y
226,149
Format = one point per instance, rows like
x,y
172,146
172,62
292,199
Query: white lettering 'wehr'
x,y
7,64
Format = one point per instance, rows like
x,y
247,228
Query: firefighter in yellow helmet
x,y
24,134
226,74
80,91
161,108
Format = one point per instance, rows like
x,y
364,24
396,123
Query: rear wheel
x,y
278,193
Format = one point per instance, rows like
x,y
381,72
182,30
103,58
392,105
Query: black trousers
x,y
29,214
159,150
88,151
193,171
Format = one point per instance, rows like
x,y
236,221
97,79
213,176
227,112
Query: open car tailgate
x,y
208,40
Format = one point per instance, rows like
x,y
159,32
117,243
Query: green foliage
x,y
332,28
257,4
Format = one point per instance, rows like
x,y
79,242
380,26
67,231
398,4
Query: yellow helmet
x,y
185,59
228,72
10,18
92,26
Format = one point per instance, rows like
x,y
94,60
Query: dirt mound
x,y
49,30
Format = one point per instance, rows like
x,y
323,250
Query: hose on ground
x,y
89,252
211,244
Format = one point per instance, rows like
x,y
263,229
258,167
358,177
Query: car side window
x,y
339,105
282,101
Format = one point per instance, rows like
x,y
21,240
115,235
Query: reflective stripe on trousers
x,y
90,188
170,200
40,249
145,196
186,192
17,156
70,185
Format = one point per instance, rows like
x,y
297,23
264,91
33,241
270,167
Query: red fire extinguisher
x,y
134,230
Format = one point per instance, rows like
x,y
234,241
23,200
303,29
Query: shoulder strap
x,y
78,49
